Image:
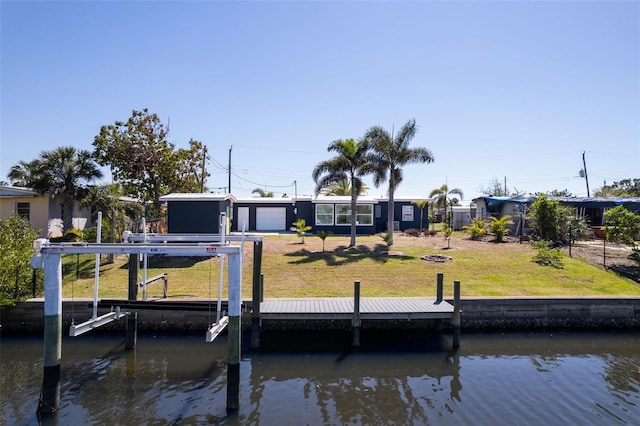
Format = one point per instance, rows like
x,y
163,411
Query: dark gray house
x,y
199,213
324,213
196,213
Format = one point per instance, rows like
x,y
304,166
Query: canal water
x,y
400,379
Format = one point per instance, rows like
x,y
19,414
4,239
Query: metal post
x,y
456,314
96,278
256,294
356,314
234,331
50,396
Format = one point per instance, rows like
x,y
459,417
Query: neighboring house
x,y
42,211
593,209
197,213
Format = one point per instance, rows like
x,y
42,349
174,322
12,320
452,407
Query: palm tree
x,y
343,188
262,193
499,227
389,154
443,199
421,204
349,164
20,173
61,172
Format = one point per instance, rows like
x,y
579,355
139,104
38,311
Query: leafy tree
x,y
343,188
262,193
623,188
16,248
443,199
62,172
421,204
560,193
545,218
500,227
623,226
389,154
191,173
139,155
301,228
349,164
495,189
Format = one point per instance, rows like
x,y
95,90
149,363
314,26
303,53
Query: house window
x,y
407,213
24,210
324,214
343,214
364,214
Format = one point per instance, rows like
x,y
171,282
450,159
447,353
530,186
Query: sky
x,y
500,90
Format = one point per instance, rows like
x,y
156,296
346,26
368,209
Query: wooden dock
x,y
343,308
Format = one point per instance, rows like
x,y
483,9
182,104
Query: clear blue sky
x,y
498,88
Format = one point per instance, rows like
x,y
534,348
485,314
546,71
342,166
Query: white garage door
x,y
271,219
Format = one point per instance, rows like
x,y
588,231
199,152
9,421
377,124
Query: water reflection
x,y
493,379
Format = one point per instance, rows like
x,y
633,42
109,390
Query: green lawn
x,y
292,269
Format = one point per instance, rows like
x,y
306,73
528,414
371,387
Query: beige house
x,y
43,212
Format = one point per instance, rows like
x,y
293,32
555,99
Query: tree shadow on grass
x,y
343,255
162,261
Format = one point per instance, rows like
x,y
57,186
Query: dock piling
x,y
256,294
356,314
456,314
132,319
50,396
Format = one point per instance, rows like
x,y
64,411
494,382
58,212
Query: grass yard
x,y
292,269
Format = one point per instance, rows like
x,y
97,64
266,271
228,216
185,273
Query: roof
x,y
343,199
16,191
197,196
264,200
630,203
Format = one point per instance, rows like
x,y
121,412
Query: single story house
x,y
42,211
193,213
591,208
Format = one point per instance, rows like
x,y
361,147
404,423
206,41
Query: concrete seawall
x,y
529,313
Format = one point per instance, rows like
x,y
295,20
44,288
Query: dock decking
x,y
371,308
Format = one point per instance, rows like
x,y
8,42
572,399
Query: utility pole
x,y
230,168
204,157
586,178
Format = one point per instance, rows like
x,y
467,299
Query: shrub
x,y
635,255
498,227
547,256
477,229
413,232
16,248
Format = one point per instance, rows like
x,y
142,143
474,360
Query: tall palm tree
x,y
262,193
389,154
343,188
349,164
62,173
443,199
